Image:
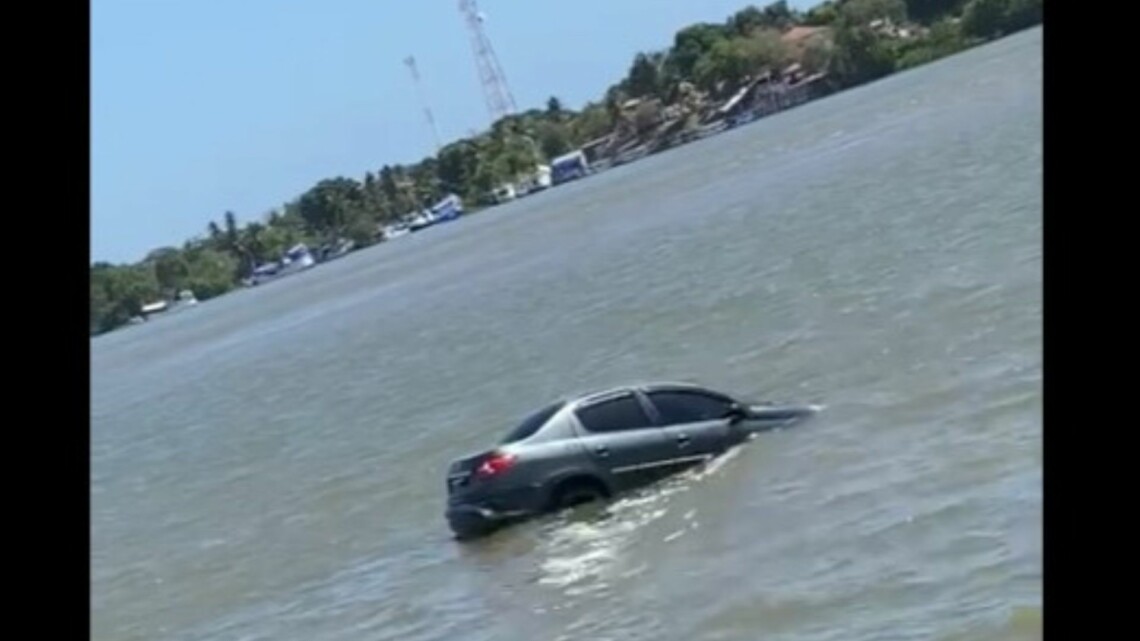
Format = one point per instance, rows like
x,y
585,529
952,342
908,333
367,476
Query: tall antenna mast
x,y
500,102
411,62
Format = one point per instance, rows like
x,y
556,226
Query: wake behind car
x,y
597,445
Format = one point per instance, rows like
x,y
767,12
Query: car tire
x,y
577,492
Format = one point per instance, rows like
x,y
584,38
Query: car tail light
x,y
495,465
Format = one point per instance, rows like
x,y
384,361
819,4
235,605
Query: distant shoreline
x,y
715,77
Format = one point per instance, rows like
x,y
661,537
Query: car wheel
x,y
578,493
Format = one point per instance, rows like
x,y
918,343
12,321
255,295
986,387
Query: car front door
x,y
623,440
695,423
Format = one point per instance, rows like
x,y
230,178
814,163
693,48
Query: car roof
x,y
645,387
675,386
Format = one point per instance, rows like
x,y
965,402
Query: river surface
x,y
269,466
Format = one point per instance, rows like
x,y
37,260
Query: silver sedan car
x,y
597,445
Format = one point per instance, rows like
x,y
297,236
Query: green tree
x,y
457,165
778,16
862,12
554,107
211,273
822,15
731,61
553,140
593,122
944,38
170,269
689,44
861,55
643,78
1023,14
361,231
256,251
231,232
119,292
746,21
425,183
332,204
388,184
375,202
984,18
927,11
992,18
276,239
100,307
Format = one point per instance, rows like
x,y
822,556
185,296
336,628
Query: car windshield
x,y
531,423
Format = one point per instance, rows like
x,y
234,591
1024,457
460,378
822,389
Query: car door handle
x,y
602,450
683,440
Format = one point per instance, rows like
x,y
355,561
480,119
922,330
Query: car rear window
x,y
531,424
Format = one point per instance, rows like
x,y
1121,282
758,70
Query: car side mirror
x,y
736,413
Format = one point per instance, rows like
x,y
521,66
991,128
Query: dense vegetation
x,y
856,41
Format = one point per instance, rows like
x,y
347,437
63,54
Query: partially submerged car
x,y
597,445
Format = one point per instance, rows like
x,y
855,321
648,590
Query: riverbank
x,y
713,77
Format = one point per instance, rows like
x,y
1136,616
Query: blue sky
x,y
199,106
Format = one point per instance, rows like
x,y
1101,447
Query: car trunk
x,y
461,470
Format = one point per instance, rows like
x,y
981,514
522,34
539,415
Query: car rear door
x,y
622,439
694,422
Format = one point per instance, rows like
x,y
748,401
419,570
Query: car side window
x,y
688,407
614,415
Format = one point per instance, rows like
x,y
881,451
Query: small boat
x,y
450,208
423,221
150,309
392,232
333,251
185,299
297,258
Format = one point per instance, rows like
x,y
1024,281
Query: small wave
x,y
581,555
715,465
566,571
